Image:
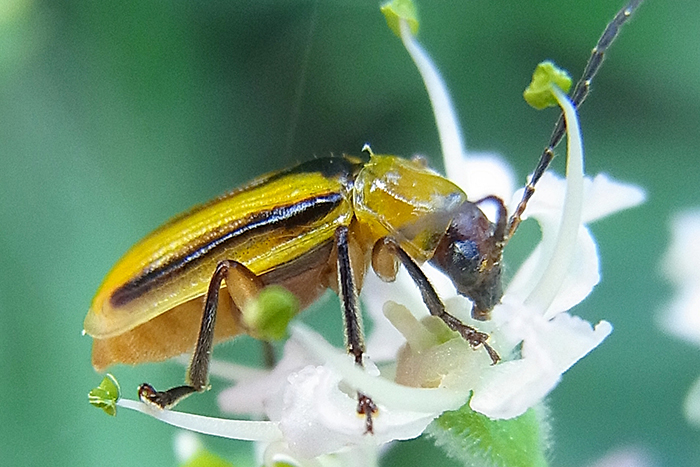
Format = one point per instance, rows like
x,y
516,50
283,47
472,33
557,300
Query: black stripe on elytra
x,y
289,216
341,168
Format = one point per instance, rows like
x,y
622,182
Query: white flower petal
x,y
602,196
481,175
263,395
511,388
384,340
319,418
548,199
186,444
682,318
276,454
440,282
550,347
680,263
559,256
445,115
582,275
403,290
628,456
680,266
583,272
387,393
232,429
691,406
605,196
569,338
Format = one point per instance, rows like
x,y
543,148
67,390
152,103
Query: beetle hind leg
x,y
242,284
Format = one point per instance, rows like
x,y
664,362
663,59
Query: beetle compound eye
x,y
475,277
465,262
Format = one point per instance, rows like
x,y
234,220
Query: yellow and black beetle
x,y
318,225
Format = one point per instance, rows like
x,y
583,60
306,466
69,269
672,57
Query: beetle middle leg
x,y
385,249
242,284
347,290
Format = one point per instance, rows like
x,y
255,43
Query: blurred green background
x,y
116,116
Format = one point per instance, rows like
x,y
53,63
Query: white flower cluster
x,y
682,316
309,398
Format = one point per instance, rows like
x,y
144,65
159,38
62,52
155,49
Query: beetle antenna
x,y
578,95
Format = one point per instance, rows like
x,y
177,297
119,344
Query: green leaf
x,y
106,395
539,93
268,315
397,10
476,440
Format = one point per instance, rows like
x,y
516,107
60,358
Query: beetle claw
x,y
163,399
367,407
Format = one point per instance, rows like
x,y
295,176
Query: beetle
x,y
319,225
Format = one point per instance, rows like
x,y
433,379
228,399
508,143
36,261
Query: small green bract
x,y
268,315
475,439
106,395
397,10
539,93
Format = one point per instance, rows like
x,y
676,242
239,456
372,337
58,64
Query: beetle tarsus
x,y
470,334
163,399
367,407
198,372
495,358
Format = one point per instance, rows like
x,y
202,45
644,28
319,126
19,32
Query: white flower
x,y
682,318
680,266
626,456
315,412
560,272
310,397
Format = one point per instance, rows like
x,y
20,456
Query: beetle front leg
x,y
242,284
384,254
354,341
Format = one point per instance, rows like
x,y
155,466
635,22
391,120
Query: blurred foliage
x,y
116,116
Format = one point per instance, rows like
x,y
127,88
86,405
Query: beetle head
x,y
470,254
